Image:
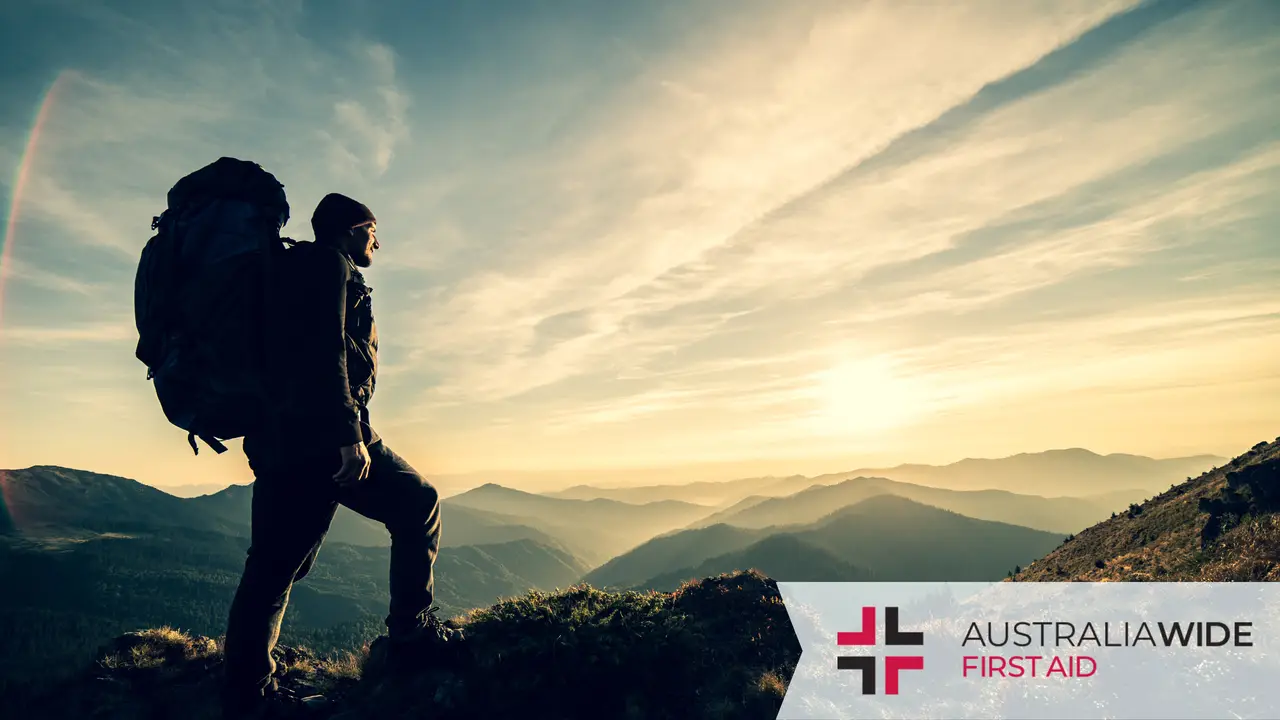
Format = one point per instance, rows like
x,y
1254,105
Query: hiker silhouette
x,y
248,334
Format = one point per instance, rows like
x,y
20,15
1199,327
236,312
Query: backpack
x,y
203,284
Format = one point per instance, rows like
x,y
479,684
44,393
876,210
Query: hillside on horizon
x,y
1220,526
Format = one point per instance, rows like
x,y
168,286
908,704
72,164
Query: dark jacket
x,y
324,355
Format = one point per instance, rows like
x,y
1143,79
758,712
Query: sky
x,y
799,237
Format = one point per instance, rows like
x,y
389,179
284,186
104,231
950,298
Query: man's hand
x,y
355,465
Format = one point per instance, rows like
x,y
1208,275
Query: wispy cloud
x,y
755,209
82,218
1187,211
104,332
773,229
120,138
26,274
376,122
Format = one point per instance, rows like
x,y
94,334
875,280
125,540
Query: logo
x,y
893,664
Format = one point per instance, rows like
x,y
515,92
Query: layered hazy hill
x,y
1222,525
62,593
788,558
464,525
676,550
1056,514
97,555
43,506
87,555
715,492
46,500
883,538
52,501
191,490
1070,472
601,527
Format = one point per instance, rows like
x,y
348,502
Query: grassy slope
x,y
1160,539
718,648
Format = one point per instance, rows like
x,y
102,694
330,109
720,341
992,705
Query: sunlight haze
x,y
713,239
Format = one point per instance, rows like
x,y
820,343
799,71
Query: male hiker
x,y
317,450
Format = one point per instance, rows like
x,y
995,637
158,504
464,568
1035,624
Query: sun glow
x,y
865,397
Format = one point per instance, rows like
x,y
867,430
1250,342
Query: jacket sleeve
x,y
317,335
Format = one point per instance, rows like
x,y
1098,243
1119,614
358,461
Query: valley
x,y
99,555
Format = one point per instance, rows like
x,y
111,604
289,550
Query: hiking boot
x,y
271,703
426,641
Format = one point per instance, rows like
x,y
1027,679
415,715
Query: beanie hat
x,y
338,213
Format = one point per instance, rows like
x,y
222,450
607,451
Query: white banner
x,y
1034,650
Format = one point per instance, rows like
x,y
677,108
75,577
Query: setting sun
x,y
865,397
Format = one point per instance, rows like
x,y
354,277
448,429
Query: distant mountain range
x,y
600,527
463,525
881,538
597,531
86,555
73,512
1223,525
192,490
1061,515
1054,473
789,556
48,500
1071,472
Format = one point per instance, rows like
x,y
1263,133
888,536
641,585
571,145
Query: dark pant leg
x,y
397,496
291,515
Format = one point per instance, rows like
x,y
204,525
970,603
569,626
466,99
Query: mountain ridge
x,y
1220,526
797,559
1223,523
886,537
1059,514
1154,470
602,526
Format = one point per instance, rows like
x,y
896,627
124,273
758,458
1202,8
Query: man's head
x,y
348,226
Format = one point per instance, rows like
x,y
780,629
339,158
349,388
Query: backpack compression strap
x,y
212,442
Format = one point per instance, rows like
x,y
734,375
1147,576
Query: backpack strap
x,y
212,442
